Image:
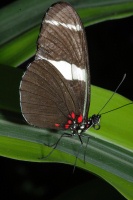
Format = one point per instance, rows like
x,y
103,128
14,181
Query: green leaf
x,y
23,19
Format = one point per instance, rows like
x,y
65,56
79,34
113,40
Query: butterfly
x,y
55,89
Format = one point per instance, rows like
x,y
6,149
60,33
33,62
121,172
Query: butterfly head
x,y
95,121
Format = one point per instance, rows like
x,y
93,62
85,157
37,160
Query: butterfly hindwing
x,y
44,104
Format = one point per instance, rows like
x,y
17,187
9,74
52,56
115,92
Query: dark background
x,y
110,47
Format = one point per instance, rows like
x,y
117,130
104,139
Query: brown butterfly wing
x,y
57,82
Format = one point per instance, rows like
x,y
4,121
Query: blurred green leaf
x,y
23,19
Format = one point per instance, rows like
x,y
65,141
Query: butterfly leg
x,y
88,137
55,144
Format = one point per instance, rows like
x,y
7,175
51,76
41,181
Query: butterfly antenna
x,y
117,108
113,95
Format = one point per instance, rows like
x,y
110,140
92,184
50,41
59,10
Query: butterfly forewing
x,y
57,83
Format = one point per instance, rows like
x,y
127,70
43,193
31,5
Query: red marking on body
x,y
80,118
67,126
57,125
69,121
73,115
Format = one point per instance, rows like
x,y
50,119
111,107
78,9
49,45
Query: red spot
x,y
57,125
73,115
80,118
67,126
69,121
